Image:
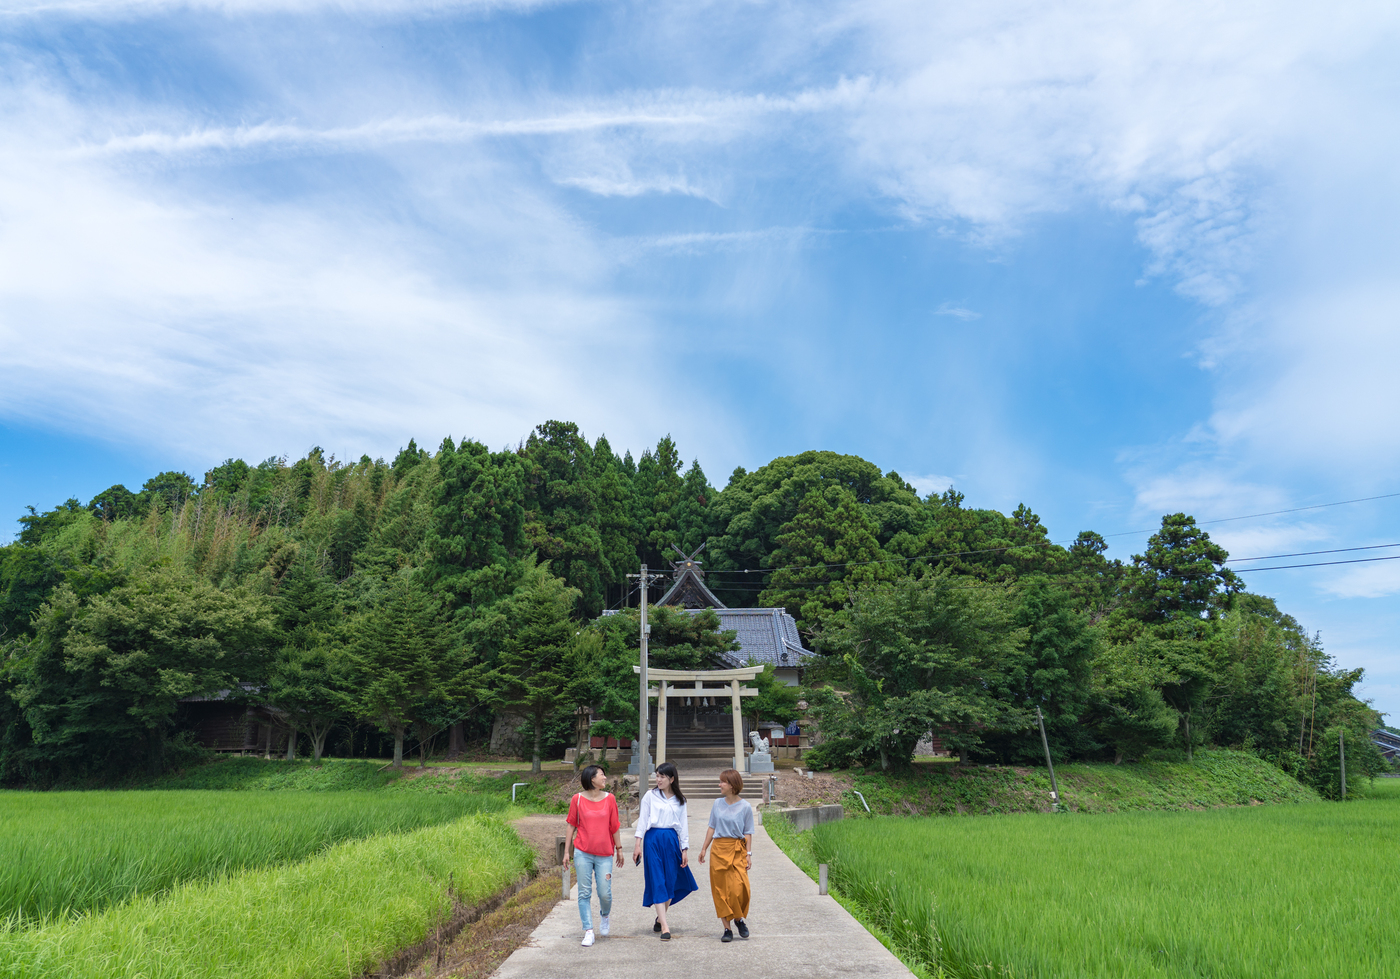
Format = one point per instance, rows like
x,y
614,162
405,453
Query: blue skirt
x,y
666,879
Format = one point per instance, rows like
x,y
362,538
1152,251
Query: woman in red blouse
x,y
594,843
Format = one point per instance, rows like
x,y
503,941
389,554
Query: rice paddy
x,y
1260,892
64,854
338,913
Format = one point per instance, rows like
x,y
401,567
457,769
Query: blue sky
x,y
1109,259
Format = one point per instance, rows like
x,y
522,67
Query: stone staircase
x,y
686,745
700,753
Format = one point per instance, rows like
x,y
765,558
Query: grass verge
x,y
66,853
1214,779
339,913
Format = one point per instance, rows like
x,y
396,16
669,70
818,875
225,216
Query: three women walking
x,y
595,842
731,832
663,835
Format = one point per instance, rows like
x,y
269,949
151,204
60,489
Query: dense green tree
x,y
537,671
617,535
1127,709
477,538
100,682
1163,654
827,549
912,657
776,701
1050,670
27,577
656,495
312,687
1181,578
562,510
115,503
168,489
750,513
680,639
403,666
607,685
692,509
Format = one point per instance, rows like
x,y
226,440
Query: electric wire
x,y
1080,577
1010,547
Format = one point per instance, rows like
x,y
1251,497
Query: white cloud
x,y
633,187
140,313
991,113
1377,579
113,9
930,483
958,312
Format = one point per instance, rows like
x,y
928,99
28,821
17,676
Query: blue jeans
x,y
586,867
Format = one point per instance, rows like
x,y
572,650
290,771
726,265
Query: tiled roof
x,y
765,635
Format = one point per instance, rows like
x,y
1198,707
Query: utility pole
x,y
1342,759
641,756
1045,743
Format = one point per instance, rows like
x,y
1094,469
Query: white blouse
x,y
660,811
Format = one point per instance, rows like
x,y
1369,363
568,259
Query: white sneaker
x,y
587,938
603,926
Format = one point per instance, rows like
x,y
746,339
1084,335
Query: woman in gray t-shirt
x,y
731,833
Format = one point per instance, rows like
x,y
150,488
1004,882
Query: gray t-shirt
x,y
731,820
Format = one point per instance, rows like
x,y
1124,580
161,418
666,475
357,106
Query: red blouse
x,y
596,823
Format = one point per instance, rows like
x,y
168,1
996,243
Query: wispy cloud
x,y
679,112
956,311
634,187
1378,580
111,9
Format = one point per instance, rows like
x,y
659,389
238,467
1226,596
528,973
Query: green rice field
x,y
64,854
1256,892
338,913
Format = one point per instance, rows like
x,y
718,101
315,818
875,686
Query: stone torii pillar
x,y
661,699
738,726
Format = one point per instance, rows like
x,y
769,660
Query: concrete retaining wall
x,y
809,816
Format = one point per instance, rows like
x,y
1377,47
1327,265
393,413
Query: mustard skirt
x,y
729,878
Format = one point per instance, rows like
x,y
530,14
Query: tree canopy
x,y
469,582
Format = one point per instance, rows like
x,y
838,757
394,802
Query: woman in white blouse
x,y
663,834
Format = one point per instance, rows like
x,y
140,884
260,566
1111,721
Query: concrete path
x,y
795,933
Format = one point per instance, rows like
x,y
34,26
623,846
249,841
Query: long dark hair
x,y
669,770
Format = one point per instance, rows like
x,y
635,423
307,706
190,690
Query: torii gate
x,y
665,692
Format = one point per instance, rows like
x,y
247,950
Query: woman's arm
x,y
575,813
709,836
684,834
643,815
616,833
748,847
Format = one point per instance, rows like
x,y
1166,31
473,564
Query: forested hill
x,y
929,614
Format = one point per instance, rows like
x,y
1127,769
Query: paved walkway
x,y
795,933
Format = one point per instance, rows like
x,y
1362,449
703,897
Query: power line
x,y
1008,547
1320,564
1335,550
1080,577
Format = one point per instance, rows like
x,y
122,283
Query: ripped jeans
x,y
586,867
